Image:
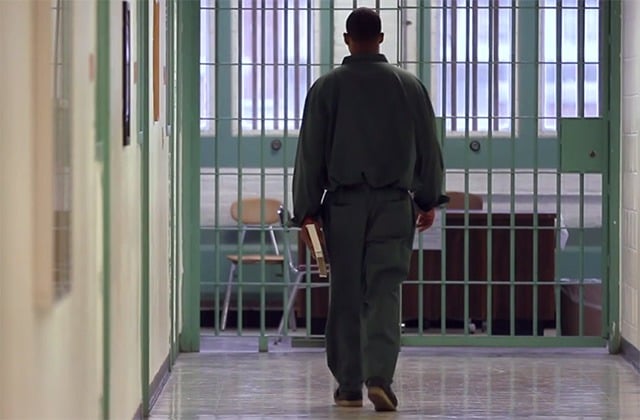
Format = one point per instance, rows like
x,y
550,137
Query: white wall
x,y
126,261
125,214
630,232
50,349
159,276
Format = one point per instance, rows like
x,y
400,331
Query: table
x,y
501,270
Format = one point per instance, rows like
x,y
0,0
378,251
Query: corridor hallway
x,y
129,128
229,379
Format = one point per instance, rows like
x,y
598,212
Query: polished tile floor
x,y
235,381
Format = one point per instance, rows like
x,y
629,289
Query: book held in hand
x,y
316,247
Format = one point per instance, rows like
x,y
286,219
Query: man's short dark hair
x,y
363,24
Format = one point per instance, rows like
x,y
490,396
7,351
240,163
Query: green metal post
x,y
512,209
240,269
169,124
263,344
611,178
493,88
143,133
189,135
558,115
102,118
285,164
443,141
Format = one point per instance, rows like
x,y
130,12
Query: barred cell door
x,y
523,94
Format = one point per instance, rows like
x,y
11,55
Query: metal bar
x,y
535,273
285,165
276,74
610,64
102,118
421,31
400,43
225,118
172,177
399,40
536,221
474,64
263,16
329,30
581,35
254,62
581,266
308,68
512,236
581,113
454,65
499,341
188,79
494,46
309,37
308,293
478,341
445,227
179,177
239,167
453,227
297,124
492,91
467,92
217,124
558,174
296,62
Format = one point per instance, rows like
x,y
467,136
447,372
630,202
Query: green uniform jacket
x,y
371,122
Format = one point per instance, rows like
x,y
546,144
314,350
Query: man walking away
x,y
368,139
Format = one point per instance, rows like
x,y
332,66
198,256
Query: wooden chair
x,y
251,217
456,201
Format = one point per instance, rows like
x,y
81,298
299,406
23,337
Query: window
x,y
569,60
399,24
472,60
472,71
207,66
271,67
62,185
274,52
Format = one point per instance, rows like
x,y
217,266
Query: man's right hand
x,y
425,220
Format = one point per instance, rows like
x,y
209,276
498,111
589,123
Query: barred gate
x,y
521,91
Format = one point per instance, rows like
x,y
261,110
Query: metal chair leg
x,y
273,240
227,297
293,325
289,306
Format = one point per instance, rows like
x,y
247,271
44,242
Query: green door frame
x,y
143,138
188,134
102,118
611,178
173,210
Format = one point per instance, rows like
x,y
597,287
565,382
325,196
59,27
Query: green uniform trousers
x,y
369,234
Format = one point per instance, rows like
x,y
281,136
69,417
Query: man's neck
x,y
366,52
